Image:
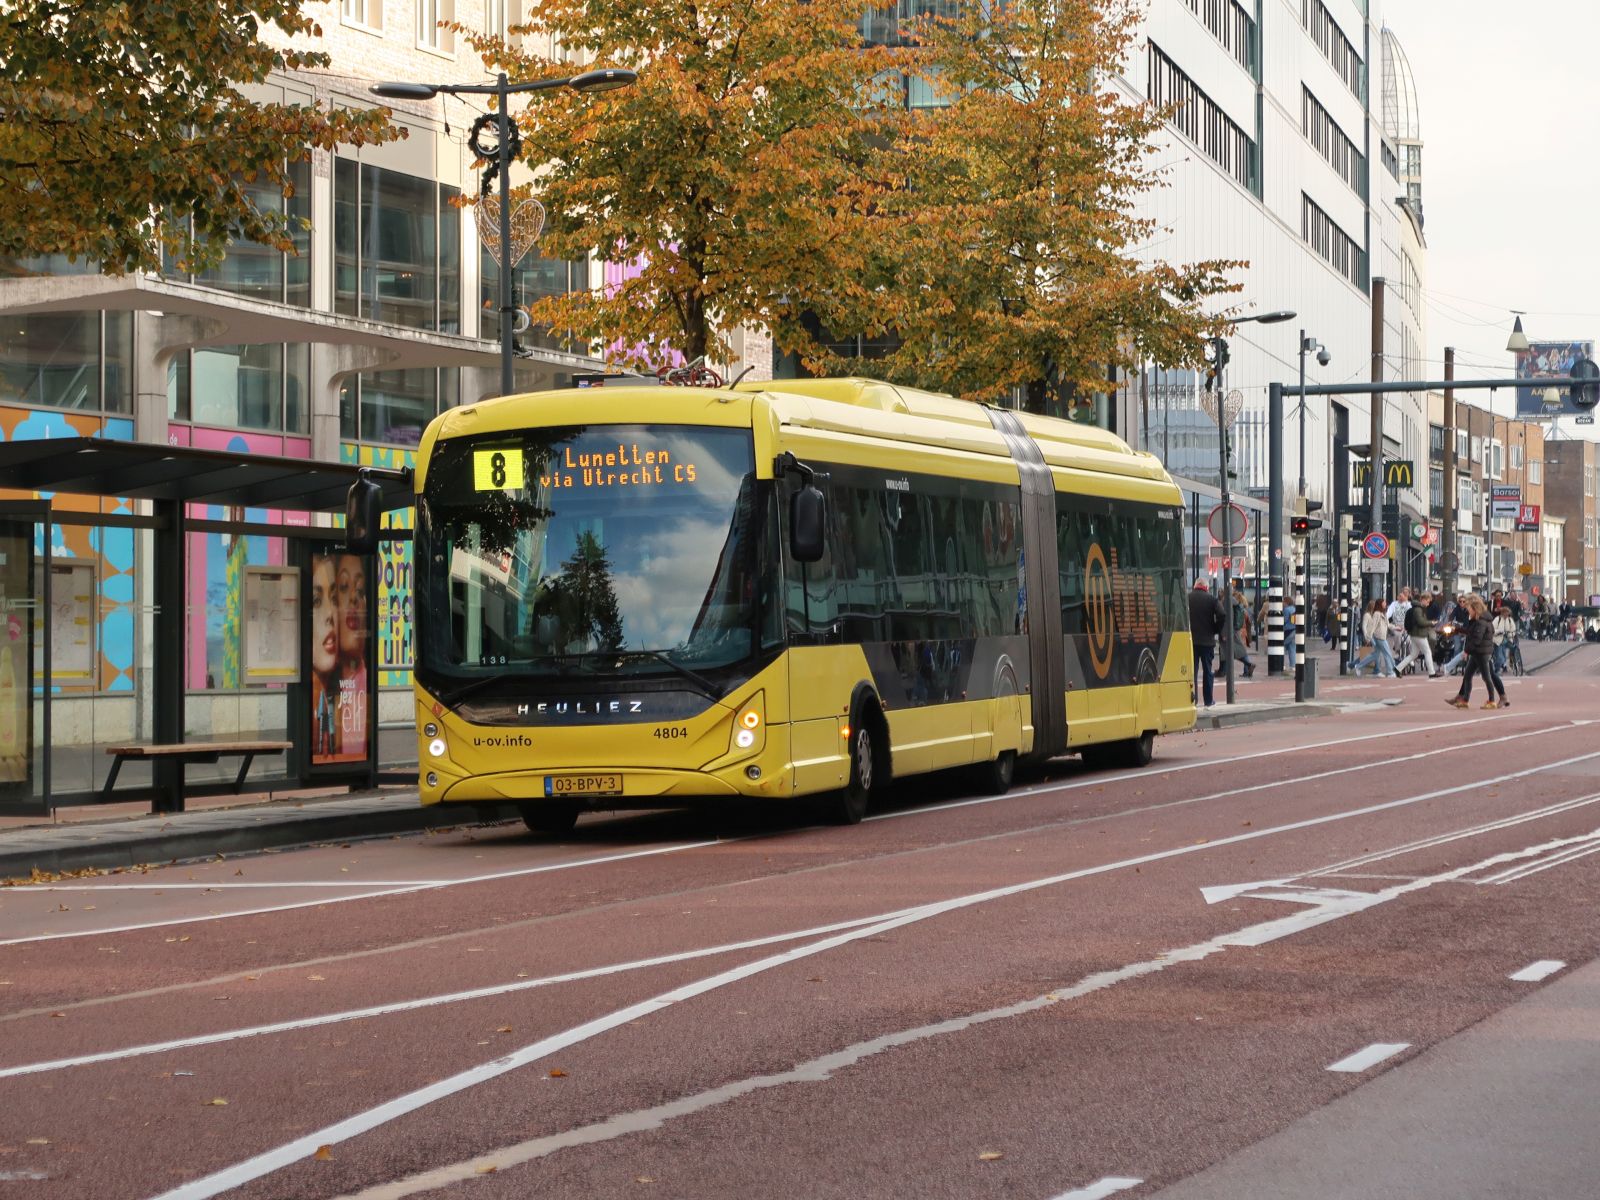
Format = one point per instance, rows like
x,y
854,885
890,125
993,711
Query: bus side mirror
x,y
807,522
363,512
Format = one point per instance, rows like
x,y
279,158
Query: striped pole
x,y
1301,586
1345,617
1275,628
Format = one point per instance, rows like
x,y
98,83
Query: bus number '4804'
x,y
667,732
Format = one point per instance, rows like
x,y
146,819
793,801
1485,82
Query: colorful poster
x,y
340,718
16,660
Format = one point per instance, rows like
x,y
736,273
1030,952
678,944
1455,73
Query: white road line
x,y
1101,1188
400,1006
231,885
399,891
821,1069
1582,848
1147,773
1441,839
1097,780
1534,972
1374,1054
303,1147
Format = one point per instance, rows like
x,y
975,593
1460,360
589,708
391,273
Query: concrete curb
x,y
227,832
1224,718
1549,662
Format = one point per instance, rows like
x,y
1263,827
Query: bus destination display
x,y
505,468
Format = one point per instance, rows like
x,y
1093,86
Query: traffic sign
x,y
1525,569
1586,419
1374,566
1375,545
1229,525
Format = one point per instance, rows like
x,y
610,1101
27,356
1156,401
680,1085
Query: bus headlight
x,y
437,747
750,728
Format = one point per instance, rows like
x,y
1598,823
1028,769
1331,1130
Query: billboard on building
x,y
1545,359
1528,518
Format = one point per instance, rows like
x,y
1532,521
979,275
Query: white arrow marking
x,y
1280,889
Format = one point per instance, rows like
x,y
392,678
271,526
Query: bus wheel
x,y
994,778
558,816
850,803
1136,752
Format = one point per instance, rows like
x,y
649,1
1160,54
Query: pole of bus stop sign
x,y
1227,525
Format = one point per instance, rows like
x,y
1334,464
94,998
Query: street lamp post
x,y
1303,570
1220,355
605,79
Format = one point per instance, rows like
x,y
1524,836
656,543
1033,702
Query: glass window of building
x,y
533,277
393,407
257,387
263,272
395,238
79,361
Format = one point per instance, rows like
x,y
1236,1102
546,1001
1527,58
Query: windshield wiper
x,y
707,688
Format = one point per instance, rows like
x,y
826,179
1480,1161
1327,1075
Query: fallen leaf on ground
x,y
218,1102
643,1179
315,978
489,1170
557,1073
990,1156
504,1029
38,1141
323,1154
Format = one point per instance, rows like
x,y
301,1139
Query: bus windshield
x,y
600,549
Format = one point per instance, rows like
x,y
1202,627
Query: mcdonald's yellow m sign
x,y
1397,473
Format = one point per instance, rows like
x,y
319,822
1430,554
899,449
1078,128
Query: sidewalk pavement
x,y
239,829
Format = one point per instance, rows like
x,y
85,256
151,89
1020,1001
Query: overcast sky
x,y
1511,186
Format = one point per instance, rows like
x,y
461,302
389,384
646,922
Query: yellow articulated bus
x,y
633,597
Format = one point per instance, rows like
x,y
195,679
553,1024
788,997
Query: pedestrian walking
x,y
1480,659
1375,629
1242,633
1419,633
1505,632
1324,605
1205,623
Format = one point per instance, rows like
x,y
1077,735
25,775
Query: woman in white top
x,y
1375,628
1505,631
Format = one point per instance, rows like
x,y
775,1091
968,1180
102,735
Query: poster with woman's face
x,y
341,721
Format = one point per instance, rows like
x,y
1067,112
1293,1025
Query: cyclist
x,y
1505,636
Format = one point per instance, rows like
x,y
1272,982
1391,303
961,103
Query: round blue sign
x,y
1375,545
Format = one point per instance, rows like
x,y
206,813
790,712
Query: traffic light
x,y
1301,524
1586,394
1219,360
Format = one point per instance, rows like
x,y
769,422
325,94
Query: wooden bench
x,y
190,752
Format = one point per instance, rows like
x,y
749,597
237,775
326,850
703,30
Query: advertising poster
x,y
271,624
1528,518
16,660
340,719
1547,359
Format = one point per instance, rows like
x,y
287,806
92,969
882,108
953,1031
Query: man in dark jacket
x,y
1419,632
1205,623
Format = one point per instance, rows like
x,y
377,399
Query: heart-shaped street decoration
x,y
527,223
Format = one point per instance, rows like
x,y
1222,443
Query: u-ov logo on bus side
x,y
1099,616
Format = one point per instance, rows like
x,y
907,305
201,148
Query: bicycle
x,y
1514,664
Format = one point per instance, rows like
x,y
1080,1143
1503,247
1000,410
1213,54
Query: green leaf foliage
x,y
116,110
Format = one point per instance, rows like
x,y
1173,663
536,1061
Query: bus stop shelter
x,y
134,666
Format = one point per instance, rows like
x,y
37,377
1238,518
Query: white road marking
x,y
303,1147
1534,972
1374,1054
1101,1188
1441,839
231,885
823,1068
1097,780
399,891
400,1006
1148,774
1579,848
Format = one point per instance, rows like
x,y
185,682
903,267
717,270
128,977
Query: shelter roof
x,y
147,471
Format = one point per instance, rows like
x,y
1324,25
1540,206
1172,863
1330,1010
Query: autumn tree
x,y
1017,253
728,176
112,111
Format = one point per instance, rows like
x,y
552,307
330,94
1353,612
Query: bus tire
x,y
994,778
553,817
1135,752
850,803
